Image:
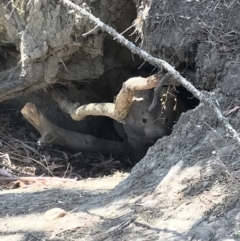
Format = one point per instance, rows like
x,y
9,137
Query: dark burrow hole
x,y
89,164
187,98
109,85
106,87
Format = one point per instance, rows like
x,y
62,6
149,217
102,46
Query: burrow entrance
x,y
60,161
142,130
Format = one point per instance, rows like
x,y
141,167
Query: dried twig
x,y
92,31
157,91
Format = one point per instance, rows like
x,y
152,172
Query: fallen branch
x,y
117,111
93,31
159,63
54,135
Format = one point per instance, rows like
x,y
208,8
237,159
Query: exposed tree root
x,y
118,110
54,135
12,85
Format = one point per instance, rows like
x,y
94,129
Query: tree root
x,y
118,110
12,85
54,135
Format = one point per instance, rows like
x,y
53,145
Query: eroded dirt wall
x,y
202,34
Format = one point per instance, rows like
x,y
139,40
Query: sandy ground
x,y
22,210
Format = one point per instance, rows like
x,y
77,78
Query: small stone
x,y
54,214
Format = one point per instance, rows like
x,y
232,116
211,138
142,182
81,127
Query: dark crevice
x,y
187,98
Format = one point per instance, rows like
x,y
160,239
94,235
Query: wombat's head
x,y
146,127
